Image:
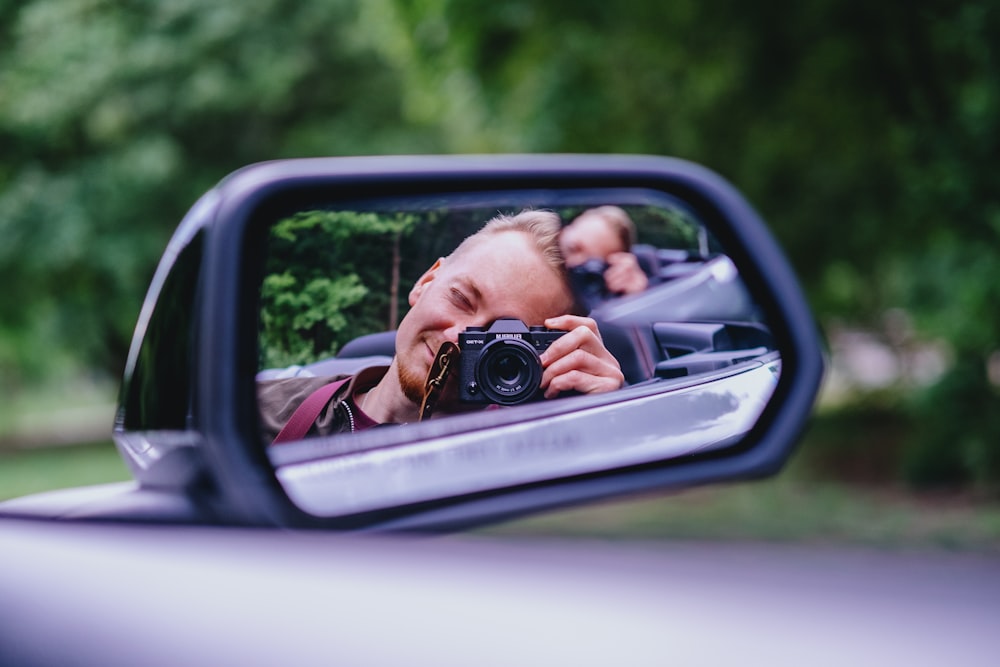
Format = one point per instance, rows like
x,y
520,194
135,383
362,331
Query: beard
x,y
414,384
411,383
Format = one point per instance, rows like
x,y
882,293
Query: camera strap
x,y
445,360
307,413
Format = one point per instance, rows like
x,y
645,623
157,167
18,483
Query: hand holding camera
x,y
511,363
501,364
624,275
597,280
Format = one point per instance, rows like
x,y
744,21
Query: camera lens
x,y
509,371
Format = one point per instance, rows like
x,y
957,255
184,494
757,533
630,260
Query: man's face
x,y
503,276
588,237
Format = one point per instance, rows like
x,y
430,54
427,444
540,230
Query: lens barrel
x,y
508,371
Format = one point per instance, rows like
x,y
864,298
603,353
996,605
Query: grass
x,y
80,410
816,499
792,507
27,471
783,509
56,436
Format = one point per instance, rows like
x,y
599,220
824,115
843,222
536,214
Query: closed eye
x,y
460,300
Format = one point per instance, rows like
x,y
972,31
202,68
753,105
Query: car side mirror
x,y
298,275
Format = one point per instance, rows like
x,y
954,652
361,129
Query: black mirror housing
x,y
187,420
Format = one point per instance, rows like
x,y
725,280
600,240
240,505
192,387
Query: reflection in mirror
x,y
561,333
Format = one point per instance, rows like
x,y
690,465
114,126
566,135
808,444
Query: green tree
x,y
116,116
329,279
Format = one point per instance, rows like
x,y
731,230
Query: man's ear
x,y
422,281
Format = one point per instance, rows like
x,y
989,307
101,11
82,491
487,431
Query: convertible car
x,y
341,549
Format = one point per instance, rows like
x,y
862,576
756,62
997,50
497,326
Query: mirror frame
x,y
245,488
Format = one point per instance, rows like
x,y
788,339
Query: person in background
x,y
599,241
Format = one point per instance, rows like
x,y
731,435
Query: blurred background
x,y
865,133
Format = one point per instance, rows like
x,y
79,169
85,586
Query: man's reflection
x,y
597,247
513,267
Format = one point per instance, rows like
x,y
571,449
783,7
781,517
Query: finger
x,y
581,382
622,260
616,280
571,322
625,279
582,360
580,337
582,372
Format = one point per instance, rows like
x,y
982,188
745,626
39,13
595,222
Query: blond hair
x,y
617,220
542,227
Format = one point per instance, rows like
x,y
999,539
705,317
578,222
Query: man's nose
x,y
451,333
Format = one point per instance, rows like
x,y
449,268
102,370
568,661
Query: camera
x,y
500,364
587,282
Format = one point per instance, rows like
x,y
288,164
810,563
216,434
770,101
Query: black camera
x,y
587,282
500,364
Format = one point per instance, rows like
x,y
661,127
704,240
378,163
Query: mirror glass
x,y
584,330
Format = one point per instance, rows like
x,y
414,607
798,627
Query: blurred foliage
x,y
866,133
958,442
116,116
